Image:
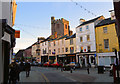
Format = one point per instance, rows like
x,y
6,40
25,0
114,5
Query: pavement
x,y
53,75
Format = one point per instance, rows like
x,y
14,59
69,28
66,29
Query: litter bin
x,y
100,69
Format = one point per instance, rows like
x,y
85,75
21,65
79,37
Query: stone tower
x,y
60,26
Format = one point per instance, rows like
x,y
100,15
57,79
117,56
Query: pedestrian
x,y
21,66
14,73
88,66
27,68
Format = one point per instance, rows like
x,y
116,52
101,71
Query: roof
x,y
89,21
19,53
72,36
65,36
105,22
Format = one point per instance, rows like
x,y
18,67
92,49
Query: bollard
x,y
71,70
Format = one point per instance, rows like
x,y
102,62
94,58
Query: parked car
x,y
40,64
47,64
73,65
34,64
56,64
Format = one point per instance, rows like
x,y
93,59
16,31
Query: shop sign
x,y
17,33
62,55
70,55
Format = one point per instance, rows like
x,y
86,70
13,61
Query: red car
x,y
47,64
56,64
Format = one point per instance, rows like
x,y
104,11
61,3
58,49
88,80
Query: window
x,y
66,49
62,49
58,50
58,42
38,46
71,41
81,48
88,37
106,43
62,41
87,27
80,29
45,43
54,43
49,44
88,48
38,53
71,49
81,39
54,50
49,51
66,26
105,29
58,25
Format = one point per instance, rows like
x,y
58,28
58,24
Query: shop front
x,y
70,58
44,59
61,58
87,58
52,59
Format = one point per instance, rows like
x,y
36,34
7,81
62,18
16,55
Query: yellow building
x,y
106,42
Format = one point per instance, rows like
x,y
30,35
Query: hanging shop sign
x,y
17,33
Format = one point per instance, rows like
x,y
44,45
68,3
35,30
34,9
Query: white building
x,y
44,51
86,42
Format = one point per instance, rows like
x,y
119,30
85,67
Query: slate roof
x,y
89,21
72,36
105,22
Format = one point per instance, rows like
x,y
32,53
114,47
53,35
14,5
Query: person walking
x,y
27,68
14,73
88,66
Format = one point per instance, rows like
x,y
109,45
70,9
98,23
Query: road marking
x,y
46,79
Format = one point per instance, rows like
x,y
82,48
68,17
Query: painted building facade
x,y
86,42
106,41
7,39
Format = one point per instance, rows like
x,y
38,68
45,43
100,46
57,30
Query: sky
x,y
33,19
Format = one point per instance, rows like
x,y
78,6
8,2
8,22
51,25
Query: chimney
x,y
112,13
40,39
81,21
52,19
